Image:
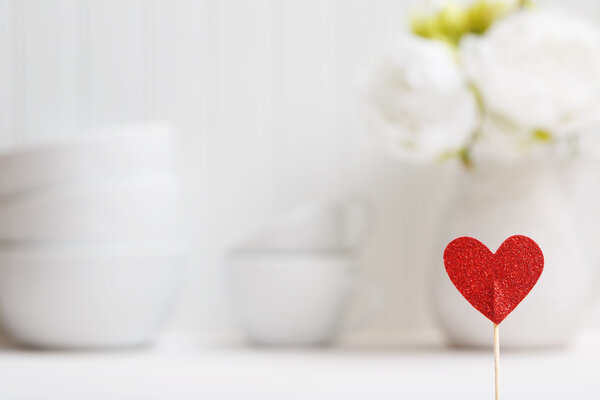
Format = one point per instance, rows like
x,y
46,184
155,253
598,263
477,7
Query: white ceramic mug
x,y
318,226
291,283
294,298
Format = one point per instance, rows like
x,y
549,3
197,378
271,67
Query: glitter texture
x,y
494,283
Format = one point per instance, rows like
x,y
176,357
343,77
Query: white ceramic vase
x,y
493,202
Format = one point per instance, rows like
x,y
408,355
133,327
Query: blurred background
x,y
265,98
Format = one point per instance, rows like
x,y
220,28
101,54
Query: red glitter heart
x,y
494,283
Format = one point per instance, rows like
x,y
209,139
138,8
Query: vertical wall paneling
x,y
303,152
17,111
359,38
278,94
150,59
7,42
50,93
117,71
265,101
330,123
84,65
238,141
182,91
180,57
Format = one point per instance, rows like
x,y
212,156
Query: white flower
x,y
419,102
503,142
537,70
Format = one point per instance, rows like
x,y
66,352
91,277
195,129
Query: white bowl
x,y
138,208
87,298
103,153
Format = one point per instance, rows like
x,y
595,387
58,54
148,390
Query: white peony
x,y
504,142
419,102
538,70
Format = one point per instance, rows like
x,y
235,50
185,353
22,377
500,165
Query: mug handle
x,y
374,304
357,221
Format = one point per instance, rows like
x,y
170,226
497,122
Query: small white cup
x,y
318,226
291,283
293,298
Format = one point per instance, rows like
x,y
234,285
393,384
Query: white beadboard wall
x,y
265,94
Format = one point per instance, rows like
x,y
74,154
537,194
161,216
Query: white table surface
x,y
350,372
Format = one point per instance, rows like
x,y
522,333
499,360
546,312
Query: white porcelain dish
x,y
100,297
103,153
135,209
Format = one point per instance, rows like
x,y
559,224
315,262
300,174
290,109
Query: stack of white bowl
x,y
90,237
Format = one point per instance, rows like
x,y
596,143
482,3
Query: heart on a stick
x,y
494,283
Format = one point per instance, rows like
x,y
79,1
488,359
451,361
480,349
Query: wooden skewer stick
x,y
497,360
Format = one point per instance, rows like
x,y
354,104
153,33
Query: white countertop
x,y
352,372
